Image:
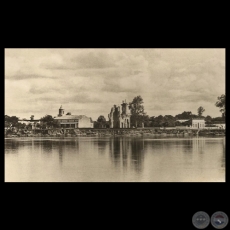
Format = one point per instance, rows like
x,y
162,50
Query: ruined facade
x,y
119,117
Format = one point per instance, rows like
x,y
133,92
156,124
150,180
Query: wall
x,y
85,123
118,118
198,124
114,116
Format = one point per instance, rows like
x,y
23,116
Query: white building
x,y
182,120
198,123
73,121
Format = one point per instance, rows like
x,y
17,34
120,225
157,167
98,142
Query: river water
x,y
115,159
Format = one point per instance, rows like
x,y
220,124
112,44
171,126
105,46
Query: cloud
x,y
83,59
21,76
92,80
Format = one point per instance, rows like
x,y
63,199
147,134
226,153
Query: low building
x,y
220,125
194,123
198,123
73,121
32,121
182,120
119,118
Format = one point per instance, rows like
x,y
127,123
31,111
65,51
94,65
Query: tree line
x,y
138,117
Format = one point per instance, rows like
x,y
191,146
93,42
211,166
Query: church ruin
x,y
120,118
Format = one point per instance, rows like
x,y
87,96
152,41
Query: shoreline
x,y
146,132
114,136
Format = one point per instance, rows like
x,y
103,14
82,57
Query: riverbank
x,y
116,132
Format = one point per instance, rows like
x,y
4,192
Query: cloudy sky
x,y
90,81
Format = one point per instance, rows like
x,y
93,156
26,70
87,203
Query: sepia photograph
x,y
114,115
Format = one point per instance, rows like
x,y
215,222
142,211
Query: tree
x,y
184,115
208,119
55,124
101,122
13,119
221,104
169,120
137,110
200,111
47,120
158,121
151,121
21,126
146,121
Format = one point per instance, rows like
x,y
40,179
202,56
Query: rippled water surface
x,y
115,159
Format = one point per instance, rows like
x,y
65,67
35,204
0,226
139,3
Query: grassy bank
x,y
114,132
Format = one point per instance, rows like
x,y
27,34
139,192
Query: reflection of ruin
x,y
137,154
115,152
127,152
119,119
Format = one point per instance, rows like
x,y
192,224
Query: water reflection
x,y
198,145
115,153
223,162
60,152
137,154
101,145
131,158
11,146
66,147
125,151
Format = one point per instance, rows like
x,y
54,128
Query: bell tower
x,y
61,111
125,115
124,107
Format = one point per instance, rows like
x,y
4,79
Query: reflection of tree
x,y
60,151
65,147
47,146
12,145
101,145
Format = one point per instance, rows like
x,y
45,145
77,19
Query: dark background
x,y
112,205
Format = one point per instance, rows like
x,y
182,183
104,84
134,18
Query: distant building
x,y
119,118
61,112
198,123
220,125
194,123
32,121
73,121
182,120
